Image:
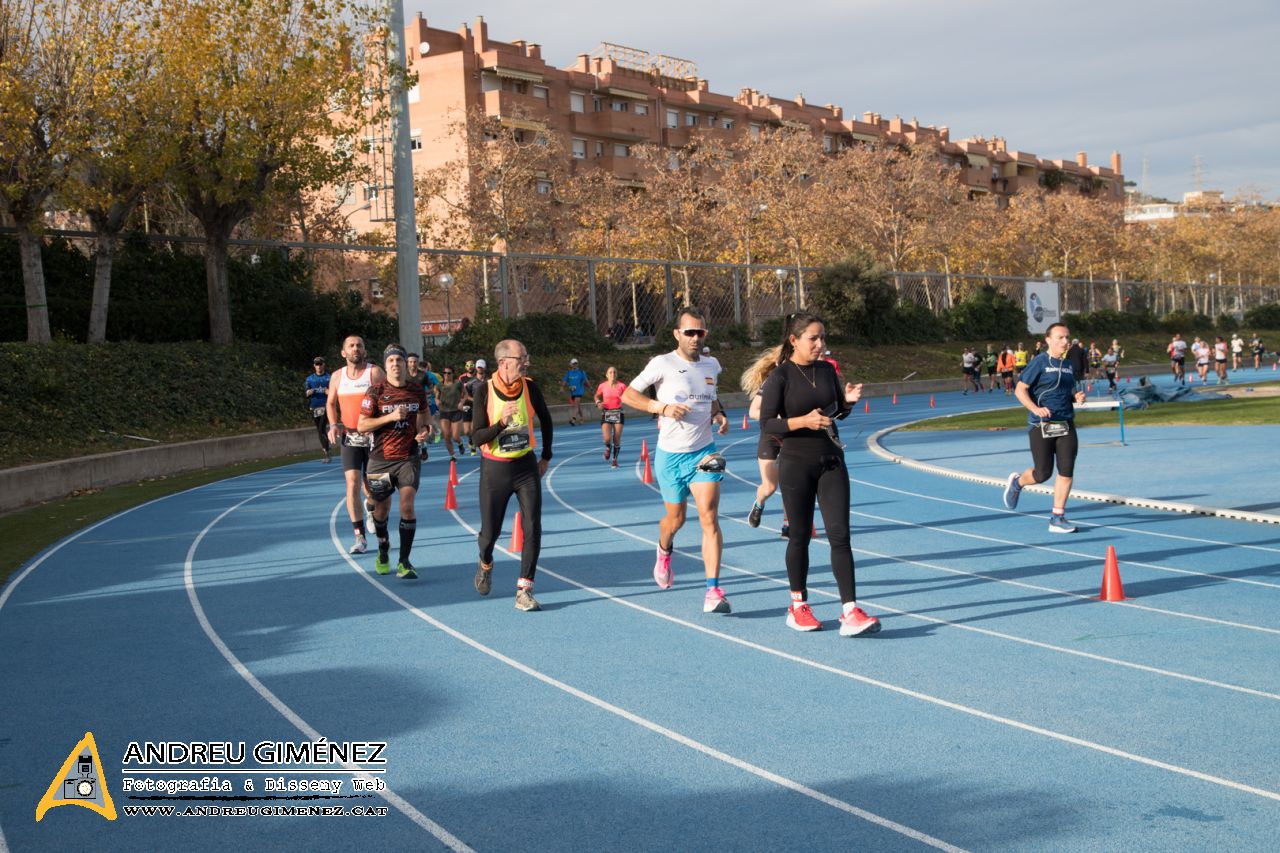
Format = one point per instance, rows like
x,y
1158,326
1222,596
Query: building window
x,y
344,193
577,102
544,187
415,94
642,109
755,129
673,118
579,149
690,120
673,162
726,123
597,104
541,92
620,150
599,149
370,192
826,143
711,121
375,289
415,140
620,106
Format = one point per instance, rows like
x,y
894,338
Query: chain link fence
x,y
631,300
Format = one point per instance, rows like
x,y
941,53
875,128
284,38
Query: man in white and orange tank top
x,y
347,390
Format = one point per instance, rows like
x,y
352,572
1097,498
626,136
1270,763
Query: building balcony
x,y
622,168
512,104
614,125
679,137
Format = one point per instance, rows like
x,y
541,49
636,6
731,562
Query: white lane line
x,y
630,717
904,691
1134,530
403,806
878,605
1023,584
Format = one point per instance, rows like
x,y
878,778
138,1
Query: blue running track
x,y
1001,706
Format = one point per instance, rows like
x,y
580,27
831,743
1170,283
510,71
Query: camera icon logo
x,y
79,782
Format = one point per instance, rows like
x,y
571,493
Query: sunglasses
x,y
694,333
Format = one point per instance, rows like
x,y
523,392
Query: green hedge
x,y
1263,317
1110,323
159,295
986,314
60,397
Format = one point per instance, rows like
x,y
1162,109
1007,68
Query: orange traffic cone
x,y
517,536
895,399
450,499
813,534
744,421
453,472
931,403
647,477
866,407
1112,589
644,449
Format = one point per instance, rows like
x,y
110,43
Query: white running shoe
x,y
360,546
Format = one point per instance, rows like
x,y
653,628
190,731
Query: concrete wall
x,y
32,484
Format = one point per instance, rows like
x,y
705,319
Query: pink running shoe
x,y
801,618
662,574
856,622
715,602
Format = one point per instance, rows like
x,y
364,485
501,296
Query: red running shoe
x,y
800,618
856,622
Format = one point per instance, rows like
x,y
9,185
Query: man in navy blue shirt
x,y
317,387
1047,388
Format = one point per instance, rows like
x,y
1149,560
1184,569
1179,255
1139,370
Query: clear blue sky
x,y
1169,80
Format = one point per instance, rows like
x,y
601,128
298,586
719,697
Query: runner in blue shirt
x,y
1047,388
317,388
576,381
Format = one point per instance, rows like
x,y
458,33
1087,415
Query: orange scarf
x,y
504,389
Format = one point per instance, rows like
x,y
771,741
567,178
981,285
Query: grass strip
x,y
1233,412
27,532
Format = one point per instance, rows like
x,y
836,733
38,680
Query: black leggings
x,y
1046,451
802,478
498,482
322,427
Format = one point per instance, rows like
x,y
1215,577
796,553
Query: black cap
x,y
318,360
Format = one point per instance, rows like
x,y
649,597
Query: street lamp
x,y
781,275
444,281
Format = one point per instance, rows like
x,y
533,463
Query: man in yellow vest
x,y
502,427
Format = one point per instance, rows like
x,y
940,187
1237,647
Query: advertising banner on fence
x,y
1041,302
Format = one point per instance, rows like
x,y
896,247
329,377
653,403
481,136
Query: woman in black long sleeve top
x,y
800,401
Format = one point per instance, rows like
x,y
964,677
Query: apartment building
x,y
615,98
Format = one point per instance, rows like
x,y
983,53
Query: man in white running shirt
x,y
686,462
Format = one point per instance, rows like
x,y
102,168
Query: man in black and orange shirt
x,y
502,427
395,412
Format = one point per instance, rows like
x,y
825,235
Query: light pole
x,y
781,275
444,281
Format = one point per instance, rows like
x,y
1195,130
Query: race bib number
x,y
358,439
510,442
613,416
1054,429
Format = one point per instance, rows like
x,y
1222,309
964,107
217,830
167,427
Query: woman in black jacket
x,y
800,402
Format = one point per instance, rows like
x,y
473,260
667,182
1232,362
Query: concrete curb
x,y
32,484
874,445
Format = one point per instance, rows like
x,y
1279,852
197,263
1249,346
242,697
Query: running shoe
x,y
607,452
715,602
525,600
382,564
404,571
614,464
1059,524
1012,491
326,456
361,545
856,622
786,530
473,450
800,618
484,579
753,518
662,574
